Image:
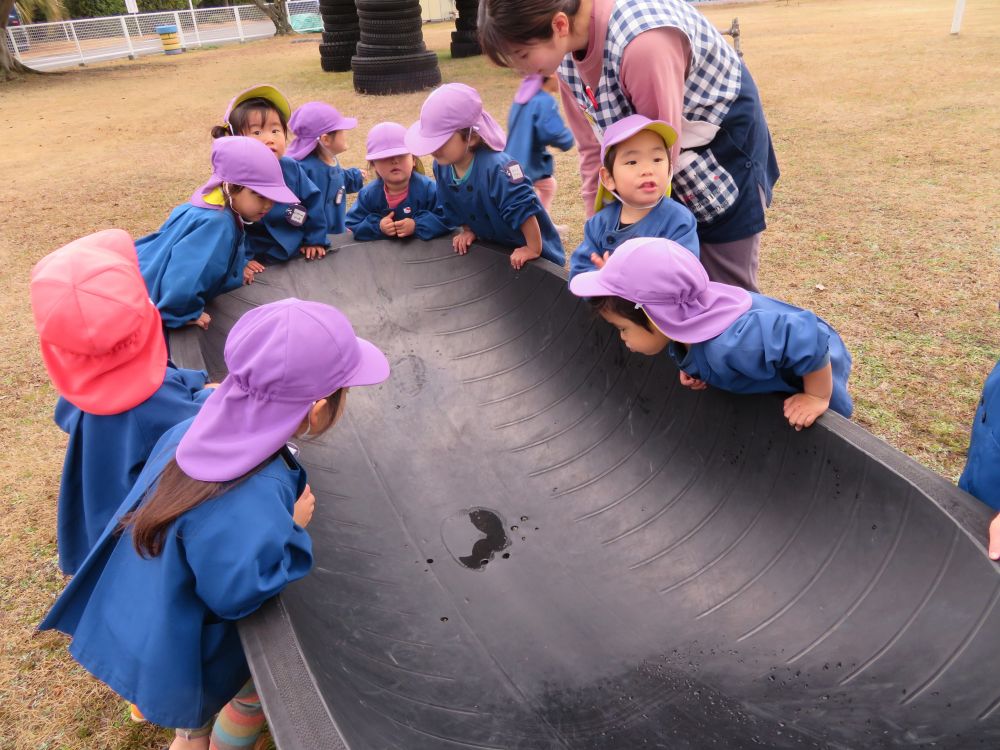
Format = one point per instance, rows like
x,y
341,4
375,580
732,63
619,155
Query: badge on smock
x,y
296,214
514,172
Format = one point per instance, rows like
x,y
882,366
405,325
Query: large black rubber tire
x,y
391,25
335,64
341,35
339,49
465,49
366,82
402,16
333,21
466,24
465,36
382,50
414,63
386,5
407,39
336,6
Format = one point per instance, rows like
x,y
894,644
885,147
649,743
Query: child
x,y
200,253
320,135
981,477
214,525
532,124
402,202
103,347
632,200
480,188
290,227
658,296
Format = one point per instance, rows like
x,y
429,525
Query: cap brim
x,y
213,451
420,144
373,367
112,391
388,153
278,194
589,284
265,91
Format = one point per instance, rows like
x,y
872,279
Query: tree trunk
x,y
277,13
9,64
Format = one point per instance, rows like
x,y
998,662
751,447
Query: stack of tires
x,y
465,39
391,57
340,34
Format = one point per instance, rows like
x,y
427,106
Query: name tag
x,y
339,197
296,214
515,174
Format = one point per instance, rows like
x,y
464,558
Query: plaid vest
x,y
712,86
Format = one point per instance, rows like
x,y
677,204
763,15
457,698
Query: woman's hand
x,y
304,507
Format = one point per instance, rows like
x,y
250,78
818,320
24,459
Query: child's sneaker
x,y
135,714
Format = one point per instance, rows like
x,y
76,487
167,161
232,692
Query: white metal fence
x,y
47,46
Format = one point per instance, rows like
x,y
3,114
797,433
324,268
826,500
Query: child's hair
x,y
418,166
467,134
176,493
622,307
239,118
504,24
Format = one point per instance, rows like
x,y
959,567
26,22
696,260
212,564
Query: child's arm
x,y
364,219
533,244
995,538
314,230
583,258
427,212
354,179
802,409
551,129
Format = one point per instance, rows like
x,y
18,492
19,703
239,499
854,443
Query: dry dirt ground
x,y
886,129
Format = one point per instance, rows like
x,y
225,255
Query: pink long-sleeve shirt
x,y
652,76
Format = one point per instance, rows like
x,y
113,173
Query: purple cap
x,y
447,110
244,161
670,284
530,85
309,122
622,131
282,358
386,139
264,91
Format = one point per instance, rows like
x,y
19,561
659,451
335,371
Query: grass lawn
x,y
885,222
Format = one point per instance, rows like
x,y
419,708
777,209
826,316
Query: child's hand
x,y
313,251
522,255
364,173
462,240
995,538
600,260
201,321
304,507
802,409
405,227
250,270
388,224
687,381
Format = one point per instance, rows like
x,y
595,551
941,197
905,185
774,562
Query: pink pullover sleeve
x,y
588,148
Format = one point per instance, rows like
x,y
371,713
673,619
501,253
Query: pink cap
x,y
101,336
447,110
670,284
309,122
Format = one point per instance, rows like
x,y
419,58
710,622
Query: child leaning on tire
x,y
658,296
481,188
401,202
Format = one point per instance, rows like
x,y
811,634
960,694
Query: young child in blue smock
x,y
658,296
153,609
981,476
401,202
103,346
481,189
320,137
199,253
633,196
533,124
290,228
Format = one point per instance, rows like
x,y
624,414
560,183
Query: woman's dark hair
x,y
504,24
176,493
622,307
242,114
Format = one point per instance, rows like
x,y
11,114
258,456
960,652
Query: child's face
x,y
269,131
395,170
335,142
640,173
454,150
252,206
635,337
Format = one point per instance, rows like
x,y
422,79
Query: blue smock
x,y
530,128
195,256
494,199
767,350
273,239
981,477
334,183
420,204
668,219
161,631
106,453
